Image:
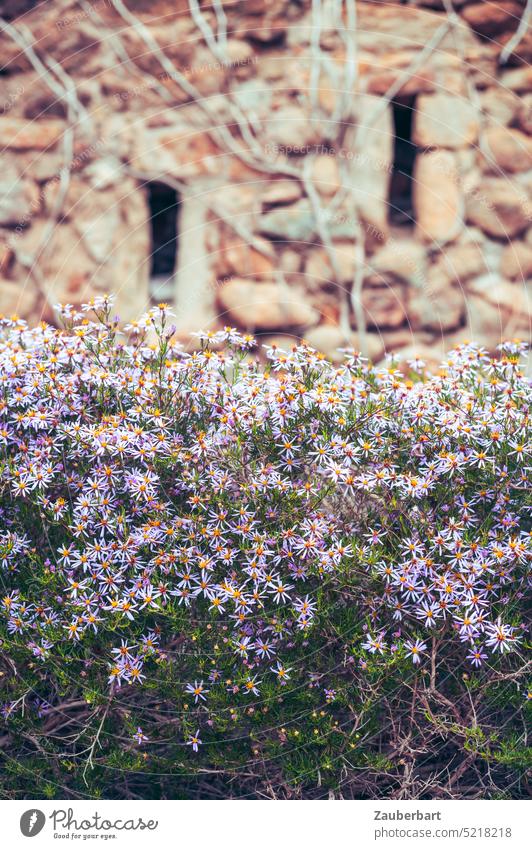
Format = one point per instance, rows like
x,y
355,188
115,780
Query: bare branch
x,y
202,24
216,130
24,40
518,35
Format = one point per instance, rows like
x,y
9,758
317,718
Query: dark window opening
x,y
404,154
164,204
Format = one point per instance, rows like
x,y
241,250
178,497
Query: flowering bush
x,y
288,577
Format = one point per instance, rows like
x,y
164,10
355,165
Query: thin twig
x,y
218,131
518,35
24,40
89,762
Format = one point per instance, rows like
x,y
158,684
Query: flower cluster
x,y
144,487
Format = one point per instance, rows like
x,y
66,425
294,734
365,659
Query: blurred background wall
x,y
349,172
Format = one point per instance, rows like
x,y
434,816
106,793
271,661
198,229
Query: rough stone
x,y
485,324
44,103
516,261
193,289
461,262
104,172
129,278
20,134
280,64
290,261
369,158
491,19
384,306
264,306
524,116
482,62
176,38
500,104
15,200
506,296
280,192
498,208
270,31
235,171
517,79
7,256
444,120
325,175
184,152
508,308
466,162
421,82
328,94
241,57
41,166
242,260
291,130
67,269
509,149
255,103
73,276
318,266
342,225
235,200
290,223
208,76
16,298
402,258
379,25
437,197
439,306
394,339
98,233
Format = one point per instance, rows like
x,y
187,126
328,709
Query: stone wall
x,y
363,177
